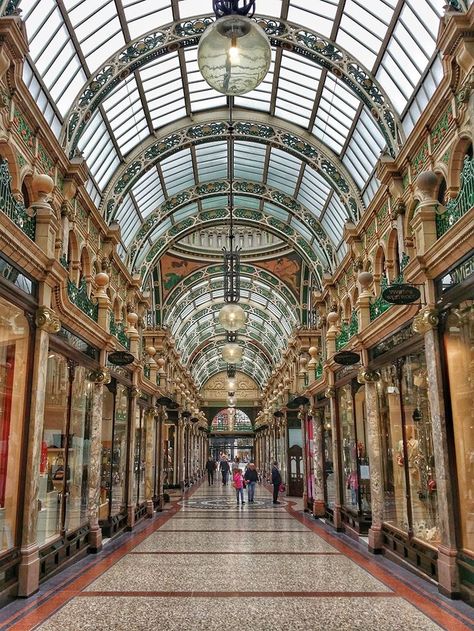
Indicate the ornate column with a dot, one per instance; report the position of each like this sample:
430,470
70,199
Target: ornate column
363,302
103,302
336,450
180,451
374,449
47,224
426,322
149,459
424,221
28,574
99,378
332,333
304,434
319,506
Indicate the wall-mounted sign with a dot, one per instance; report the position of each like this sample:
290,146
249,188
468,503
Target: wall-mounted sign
401,294
121,358
346,358
457,275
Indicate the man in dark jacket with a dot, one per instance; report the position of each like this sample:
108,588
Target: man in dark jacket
276,481
251,479
225,468
210,467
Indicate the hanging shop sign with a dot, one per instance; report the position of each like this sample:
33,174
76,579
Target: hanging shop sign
346,358
164,401
401,294
121,358
296,402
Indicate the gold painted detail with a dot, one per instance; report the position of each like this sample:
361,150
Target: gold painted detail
100,376
426,319
330,393
368,376
47,320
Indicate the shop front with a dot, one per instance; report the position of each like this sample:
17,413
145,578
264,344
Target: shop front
323,450
17,306
354,461
410,504
455,292
116,407
63,477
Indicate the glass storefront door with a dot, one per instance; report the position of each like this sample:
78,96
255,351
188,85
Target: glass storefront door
14,343
65,451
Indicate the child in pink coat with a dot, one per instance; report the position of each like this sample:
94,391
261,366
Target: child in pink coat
238,484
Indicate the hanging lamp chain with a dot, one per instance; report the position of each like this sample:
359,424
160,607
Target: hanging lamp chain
231,7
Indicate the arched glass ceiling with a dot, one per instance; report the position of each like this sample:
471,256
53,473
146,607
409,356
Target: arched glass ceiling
70,39
208,362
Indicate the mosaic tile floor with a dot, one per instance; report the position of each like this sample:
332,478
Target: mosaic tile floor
206,564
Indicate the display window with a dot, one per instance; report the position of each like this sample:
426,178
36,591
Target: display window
459,354
355,461
410,498
139,465
65,449
14,344
113,485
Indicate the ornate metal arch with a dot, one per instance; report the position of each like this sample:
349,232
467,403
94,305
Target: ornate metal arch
183,34
240,187
244,217
212,126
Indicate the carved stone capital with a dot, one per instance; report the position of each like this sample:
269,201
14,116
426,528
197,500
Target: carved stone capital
47,320
426,319
136,392
330,393
100,376
368,376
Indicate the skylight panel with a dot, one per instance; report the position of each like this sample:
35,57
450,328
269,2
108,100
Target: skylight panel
213,202
190,8
333,226
144,15
320,18
211,160
129,225
178,171
200,94
313,191
249,160
163,90
260,98
98,149
283,171
148,193
297,85
335,114
371,188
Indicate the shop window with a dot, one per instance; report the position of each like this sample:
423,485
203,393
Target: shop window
14,339
408,445
139,458
113,495
459,348
355,462
65,450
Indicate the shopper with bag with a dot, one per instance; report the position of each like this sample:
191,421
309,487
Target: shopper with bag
276,481
238,484
251,478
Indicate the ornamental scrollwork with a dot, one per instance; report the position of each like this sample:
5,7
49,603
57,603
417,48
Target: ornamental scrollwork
426,319
100,376
47,320
330,393
368,376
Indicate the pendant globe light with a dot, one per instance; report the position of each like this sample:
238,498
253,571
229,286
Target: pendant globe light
232,353
234,53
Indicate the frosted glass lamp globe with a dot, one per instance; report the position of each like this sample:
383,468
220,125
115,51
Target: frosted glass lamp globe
232,317
234,55
232,353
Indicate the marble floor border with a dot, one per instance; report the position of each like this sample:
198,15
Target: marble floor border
441,612
263,553
281,594
56,597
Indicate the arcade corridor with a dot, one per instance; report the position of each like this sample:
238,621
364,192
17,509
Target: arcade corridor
206,564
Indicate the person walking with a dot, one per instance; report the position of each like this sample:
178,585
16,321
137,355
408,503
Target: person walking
276,481
238,484
225,469
251,479
210,467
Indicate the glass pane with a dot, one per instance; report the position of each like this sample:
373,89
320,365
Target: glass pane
14,335
119,452
53,456
348,442
106,478
79,450
139,459
419,449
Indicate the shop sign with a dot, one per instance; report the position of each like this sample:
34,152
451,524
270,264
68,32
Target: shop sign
401,294
121,358
13,275
458,274
346,358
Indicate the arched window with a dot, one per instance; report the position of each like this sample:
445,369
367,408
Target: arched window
230,419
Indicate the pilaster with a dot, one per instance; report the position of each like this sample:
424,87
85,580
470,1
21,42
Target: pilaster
28,573
319,506
149,460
